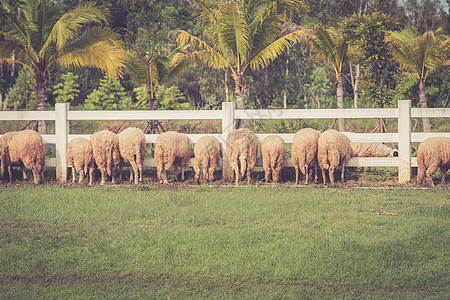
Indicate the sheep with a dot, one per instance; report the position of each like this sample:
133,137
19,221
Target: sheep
80,158
207,152
242,146
4,159
333,150
431,154
304,153
171,149
372,150
132,146
273,152
27,149
105,147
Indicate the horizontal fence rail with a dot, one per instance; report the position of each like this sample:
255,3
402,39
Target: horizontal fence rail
229,115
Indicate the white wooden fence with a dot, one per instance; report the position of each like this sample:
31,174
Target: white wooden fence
62,116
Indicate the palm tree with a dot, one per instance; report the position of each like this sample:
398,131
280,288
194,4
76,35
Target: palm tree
154,69
423,54
42,38
241,34
329,45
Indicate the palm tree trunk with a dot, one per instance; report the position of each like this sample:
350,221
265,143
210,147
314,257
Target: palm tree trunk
227,98
40,97
423,104
340,100
239,92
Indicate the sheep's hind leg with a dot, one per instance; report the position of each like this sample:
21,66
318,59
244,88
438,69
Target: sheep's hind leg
24,172
37,176
80,180
103,171
331,174
444,174
430,171
73,174
134,169
91,175
316,173
342,171
306,174
267,169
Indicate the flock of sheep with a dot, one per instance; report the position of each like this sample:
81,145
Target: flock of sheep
107,151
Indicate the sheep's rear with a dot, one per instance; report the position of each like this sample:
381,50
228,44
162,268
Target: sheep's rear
431,154
242,148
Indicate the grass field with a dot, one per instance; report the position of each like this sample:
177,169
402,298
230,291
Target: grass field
223,242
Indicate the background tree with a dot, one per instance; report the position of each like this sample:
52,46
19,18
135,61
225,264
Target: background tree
240,35
22,95
171,98
422,54
42,38
368,34
110,95
67,89
331,46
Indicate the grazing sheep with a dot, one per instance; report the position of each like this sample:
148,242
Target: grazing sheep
4,158
27,149
273,152
334,150
304,153
372,150
132,147
80,158
207,152
242,146
171,149
105,147
431,154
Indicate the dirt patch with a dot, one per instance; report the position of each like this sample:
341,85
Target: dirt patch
374,177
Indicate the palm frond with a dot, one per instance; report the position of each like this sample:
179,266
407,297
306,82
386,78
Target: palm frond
136,69
104,55
234,36
69,25
92,36
207,54
425,53
15,61
268,18
275,49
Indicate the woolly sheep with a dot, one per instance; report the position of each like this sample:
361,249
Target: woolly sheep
105,147
4,159
431,154
171,149
333,150
304,153
242,147
273,152
80,158
207,152
27,149
372,150
132,148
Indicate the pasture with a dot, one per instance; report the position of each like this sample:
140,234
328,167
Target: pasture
250,242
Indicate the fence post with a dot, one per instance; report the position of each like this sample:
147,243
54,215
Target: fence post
404,141
61,132
227,127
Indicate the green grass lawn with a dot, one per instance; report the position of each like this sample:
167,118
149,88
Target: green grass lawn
213,242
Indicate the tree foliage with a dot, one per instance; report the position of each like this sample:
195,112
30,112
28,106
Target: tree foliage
67,89
110,95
